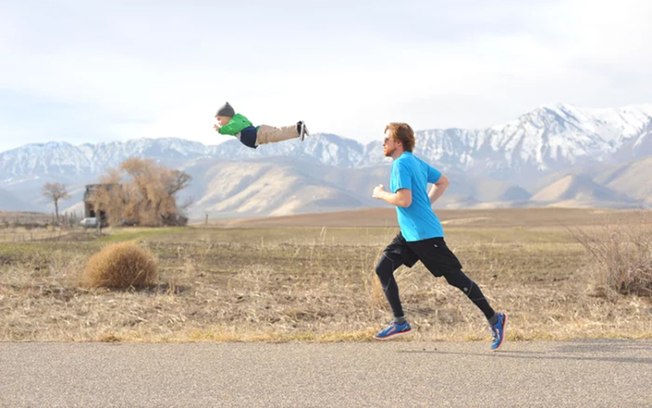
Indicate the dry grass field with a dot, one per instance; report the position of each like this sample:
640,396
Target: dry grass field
311,278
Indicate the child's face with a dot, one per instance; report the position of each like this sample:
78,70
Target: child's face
223,120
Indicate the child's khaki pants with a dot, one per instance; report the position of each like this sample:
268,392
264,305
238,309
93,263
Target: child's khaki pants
271,134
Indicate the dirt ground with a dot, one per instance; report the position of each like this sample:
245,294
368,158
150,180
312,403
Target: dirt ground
477,218
311,277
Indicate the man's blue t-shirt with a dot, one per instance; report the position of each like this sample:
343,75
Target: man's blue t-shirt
418,221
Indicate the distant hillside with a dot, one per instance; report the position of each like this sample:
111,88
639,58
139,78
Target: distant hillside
579,191
633,179
10,201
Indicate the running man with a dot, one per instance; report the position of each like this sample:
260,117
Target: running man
421,236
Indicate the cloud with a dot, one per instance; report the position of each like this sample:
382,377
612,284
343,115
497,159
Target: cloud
126,69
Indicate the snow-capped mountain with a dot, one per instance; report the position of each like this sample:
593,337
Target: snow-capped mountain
60,158
524,155
546,139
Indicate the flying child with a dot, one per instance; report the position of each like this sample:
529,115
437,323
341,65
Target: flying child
235,124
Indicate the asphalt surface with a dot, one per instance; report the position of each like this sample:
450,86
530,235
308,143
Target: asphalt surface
590,373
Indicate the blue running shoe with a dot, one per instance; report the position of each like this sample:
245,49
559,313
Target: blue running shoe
394,329
498,331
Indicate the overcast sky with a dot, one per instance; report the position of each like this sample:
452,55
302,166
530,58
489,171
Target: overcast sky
86,71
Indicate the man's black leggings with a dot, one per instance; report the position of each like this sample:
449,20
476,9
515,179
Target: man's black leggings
438,259
385,268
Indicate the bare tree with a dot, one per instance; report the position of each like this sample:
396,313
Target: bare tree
143,193
55,192
178,181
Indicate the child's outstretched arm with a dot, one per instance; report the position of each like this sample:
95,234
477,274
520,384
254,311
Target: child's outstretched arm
234,126
228,129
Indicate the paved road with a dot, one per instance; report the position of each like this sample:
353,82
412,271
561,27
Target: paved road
595,373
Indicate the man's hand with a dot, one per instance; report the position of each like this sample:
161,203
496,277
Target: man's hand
379,192
438,189
216,127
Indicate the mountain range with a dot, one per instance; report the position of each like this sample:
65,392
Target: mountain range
559,155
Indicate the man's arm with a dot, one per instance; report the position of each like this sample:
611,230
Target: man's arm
438,189
401,198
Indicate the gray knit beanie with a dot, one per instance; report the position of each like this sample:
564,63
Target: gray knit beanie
226,110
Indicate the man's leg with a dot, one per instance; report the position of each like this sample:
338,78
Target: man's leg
471,290
385,268
395,254
497,321
441,261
